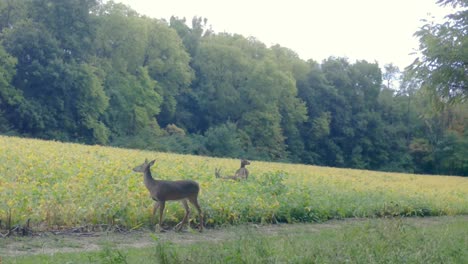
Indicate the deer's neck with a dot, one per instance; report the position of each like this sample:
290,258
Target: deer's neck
242,165
148,179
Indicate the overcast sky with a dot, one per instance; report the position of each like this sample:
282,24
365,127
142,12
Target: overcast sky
372,30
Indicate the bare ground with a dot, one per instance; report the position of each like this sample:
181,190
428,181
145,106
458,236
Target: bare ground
50,243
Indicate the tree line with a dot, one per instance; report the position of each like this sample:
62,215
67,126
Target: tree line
100,73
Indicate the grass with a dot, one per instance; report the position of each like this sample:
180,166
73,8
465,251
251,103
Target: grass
59,185
396,240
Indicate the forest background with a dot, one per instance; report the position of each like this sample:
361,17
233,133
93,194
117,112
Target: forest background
98,72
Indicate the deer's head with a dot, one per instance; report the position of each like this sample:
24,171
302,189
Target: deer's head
145,166
244,162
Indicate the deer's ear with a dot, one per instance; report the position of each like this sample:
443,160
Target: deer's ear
151,163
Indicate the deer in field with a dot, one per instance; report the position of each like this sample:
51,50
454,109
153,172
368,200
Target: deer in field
241,173
163,190
218,175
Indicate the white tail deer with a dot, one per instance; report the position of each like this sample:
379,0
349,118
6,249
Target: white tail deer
218,175
162,191
241,173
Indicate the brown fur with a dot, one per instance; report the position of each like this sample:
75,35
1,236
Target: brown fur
241,173
162,191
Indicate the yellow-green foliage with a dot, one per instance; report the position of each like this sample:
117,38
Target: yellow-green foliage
61,184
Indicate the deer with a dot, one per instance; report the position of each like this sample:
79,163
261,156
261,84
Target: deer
241,173
165,190
218,175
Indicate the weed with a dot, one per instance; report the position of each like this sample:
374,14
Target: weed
110,255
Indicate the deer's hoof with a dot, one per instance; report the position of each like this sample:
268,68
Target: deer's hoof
178,227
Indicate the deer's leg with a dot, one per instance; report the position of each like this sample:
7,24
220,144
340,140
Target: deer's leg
162,204
155,208
179,226
194,201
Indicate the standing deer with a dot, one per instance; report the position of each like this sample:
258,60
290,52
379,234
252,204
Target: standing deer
162,191
241,173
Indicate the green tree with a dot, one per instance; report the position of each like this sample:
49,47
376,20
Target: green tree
134,103
451,154
225,140
319,96
400,120
442,64
356,125
191,36
390,75
10,97
444,134
240,80
87,101
11,11
168,63
292,108
262,118
68,21
120,41
145,66
222,72
63,100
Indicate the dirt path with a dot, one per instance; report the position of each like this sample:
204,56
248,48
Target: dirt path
48,243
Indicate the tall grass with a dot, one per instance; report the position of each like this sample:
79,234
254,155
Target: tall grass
369,241
63,185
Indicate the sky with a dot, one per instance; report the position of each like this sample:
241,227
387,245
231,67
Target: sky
374,30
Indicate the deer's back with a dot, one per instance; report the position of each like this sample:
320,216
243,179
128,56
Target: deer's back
242,172
174,190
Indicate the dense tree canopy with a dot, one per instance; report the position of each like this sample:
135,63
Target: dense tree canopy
98,72
443,64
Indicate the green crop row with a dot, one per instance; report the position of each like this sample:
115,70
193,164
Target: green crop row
64,185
